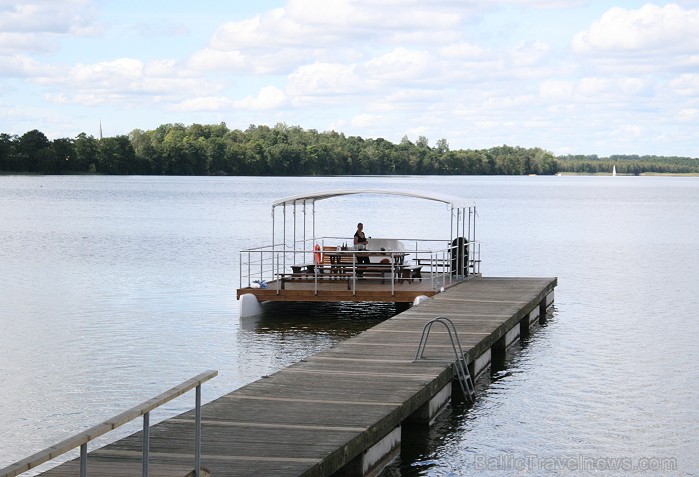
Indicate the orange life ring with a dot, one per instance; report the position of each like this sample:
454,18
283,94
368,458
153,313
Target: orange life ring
317,258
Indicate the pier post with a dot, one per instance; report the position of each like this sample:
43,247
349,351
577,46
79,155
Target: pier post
481,363
373,460
524,324
428,412
544,306
504,342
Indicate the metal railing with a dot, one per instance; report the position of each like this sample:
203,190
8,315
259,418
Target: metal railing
143,409
349,268
268,263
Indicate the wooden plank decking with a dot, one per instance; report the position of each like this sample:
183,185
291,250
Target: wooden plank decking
317,416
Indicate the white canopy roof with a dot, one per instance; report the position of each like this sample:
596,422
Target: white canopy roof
454,202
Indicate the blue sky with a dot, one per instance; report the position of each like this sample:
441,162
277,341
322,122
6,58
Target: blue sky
583,77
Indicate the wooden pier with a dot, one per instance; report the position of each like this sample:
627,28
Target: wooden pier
340,412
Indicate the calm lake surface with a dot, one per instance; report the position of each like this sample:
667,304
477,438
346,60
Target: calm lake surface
114,289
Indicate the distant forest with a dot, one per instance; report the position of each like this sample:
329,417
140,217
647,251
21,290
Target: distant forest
176,149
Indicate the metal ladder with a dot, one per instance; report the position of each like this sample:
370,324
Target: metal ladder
462,371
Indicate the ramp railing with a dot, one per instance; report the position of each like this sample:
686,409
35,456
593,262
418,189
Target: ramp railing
143,409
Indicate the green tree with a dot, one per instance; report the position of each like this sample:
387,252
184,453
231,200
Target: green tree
86,151
115,155
8,156
66,155
35,151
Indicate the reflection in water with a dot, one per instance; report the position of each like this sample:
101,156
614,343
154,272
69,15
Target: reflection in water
339,320
289,332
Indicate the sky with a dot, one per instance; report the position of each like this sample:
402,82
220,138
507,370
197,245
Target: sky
569,76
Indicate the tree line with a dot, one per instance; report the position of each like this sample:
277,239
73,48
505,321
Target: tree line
176,149
631,164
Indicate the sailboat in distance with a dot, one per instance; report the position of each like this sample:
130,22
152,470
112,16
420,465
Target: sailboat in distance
614,170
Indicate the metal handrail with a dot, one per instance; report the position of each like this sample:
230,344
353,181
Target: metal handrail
143,409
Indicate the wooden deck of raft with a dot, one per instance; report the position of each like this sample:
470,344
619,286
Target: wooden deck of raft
373,288
317,416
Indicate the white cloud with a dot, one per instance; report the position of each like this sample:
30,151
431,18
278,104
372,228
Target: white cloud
325,79
688,115
123,81
509,103
463,51
269,97
400,65
557,89
308,31
43,16
610,88
686,85
545,3
211,59
234,61
158,29
21,43
627,132
272,29
204,103
649,30
595,89
530,53
368,121
371,17
21,66
34,25
108,72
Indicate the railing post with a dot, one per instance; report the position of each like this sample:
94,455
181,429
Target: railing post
197,433
146,443
249,268
83,460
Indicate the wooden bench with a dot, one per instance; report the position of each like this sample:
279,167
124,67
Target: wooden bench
303,269
340,264
321,277
375,268
439,263
334,262
410,272
341,270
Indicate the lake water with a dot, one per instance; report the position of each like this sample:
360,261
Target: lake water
114,289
